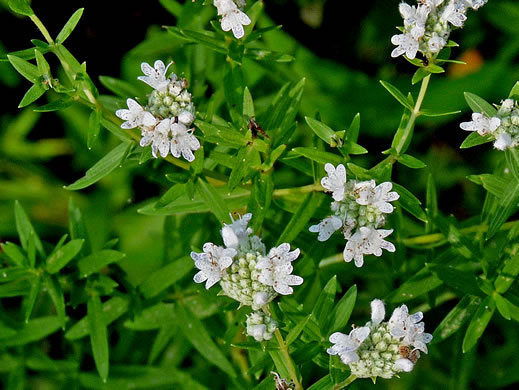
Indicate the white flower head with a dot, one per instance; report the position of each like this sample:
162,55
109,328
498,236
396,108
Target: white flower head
158,138
415,18
367,193
406,43
347,345
135,116
481,123
454,13
155,77
408,328
183,141
212,263
367,241
326,227
237,232
436,43
276,269
503,141
232,18
378,311
335,181
475,4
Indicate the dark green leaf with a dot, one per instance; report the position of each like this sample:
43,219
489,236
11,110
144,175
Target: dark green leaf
94,126
103,167
478,104
478,324
213,200
98,260
474,139
507,206
34,330
409,202
30,300
411,162
463,281
512,161
56,105
98,336
301,217
422,282
69,26
76,226
25,230
324,304
56,294
342,311
297,329
161,279
121,88
507,275
456,318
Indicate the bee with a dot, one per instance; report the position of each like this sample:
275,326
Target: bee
282,384
255,128
406,353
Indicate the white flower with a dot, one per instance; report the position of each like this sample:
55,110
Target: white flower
406,44
475,4
183,141
482,124
186,118
326,227
378,311
335,180
506,106
503,141
155,77
135,116
367,241
415,17
367,194
436,43
347,345
408,328
404,365
454,13
232,18
158,138
237,231
212,263
276,269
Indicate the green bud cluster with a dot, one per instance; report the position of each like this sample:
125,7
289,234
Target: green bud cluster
241,282
174,100
260,326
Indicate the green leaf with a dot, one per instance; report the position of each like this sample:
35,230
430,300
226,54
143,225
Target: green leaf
478,324
420,283
165,277
432,113
342,311
30,300
399,143
21,7
153,317
507,275
492,183
25,68
56,105
411,162
514,93
321,130
456,318
112,309
56,294
248,104
69,26
121,88
399,96
103,167
171,195
43,65
474,139
297,329
198,336
325,383
512,161
32,94
324,304
98,336
460,280
301,217
419,75
116,130
15,253
224,136
36,329
319,156
76,226
60,258
98,260
507,206
25,230
260,199
409,202
478,104
502,306
213,200
94,127
245,159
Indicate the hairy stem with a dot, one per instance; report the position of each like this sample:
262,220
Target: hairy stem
414,114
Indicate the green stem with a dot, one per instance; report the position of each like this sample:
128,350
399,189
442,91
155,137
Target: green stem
284,350
297,190
42,28
345,382
414,114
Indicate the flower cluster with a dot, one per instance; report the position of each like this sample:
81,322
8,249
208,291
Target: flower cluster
165,121
232,18
504,127
260,326
382,348
427,26
244,269
360,209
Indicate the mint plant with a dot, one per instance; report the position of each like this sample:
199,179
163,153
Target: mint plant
224,184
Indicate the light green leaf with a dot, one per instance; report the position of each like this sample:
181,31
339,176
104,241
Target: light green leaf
502,306
492,183
69,26
171,195
198,336
43,65
30,300
411,162
94,126
507,206
98,336
399,96
321,130
56,105
15,253
60,258
478,324
25,230
507,275
165,277
32,94
213,200
409,202
56,294
324,303
478,104
474,139
98,260
512,161
248,104
121,88
342,311
25,68
301,217
103,167
297,329
21,7
319,156
36,329
153,317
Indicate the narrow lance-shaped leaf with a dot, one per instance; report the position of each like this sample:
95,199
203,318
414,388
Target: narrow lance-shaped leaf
33,94
21,7
213,200
324,304
479,323
30,300
456,318
399,96
478,104
248,104
56,294
94,126
62,256
507,206
25,68
97,260
342,311
69,26
98,335
26,230
300,219
321,130
103,167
